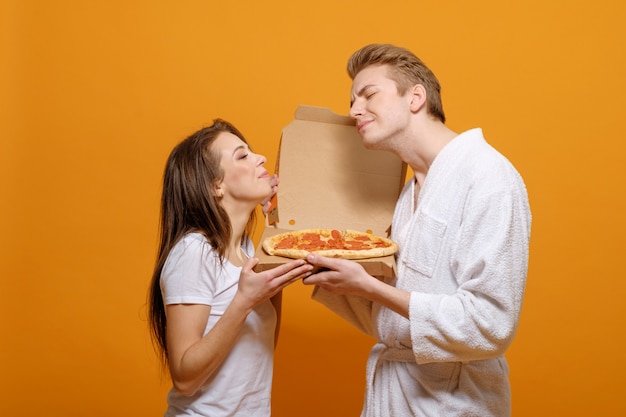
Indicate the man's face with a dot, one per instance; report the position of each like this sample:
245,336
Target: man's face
381,113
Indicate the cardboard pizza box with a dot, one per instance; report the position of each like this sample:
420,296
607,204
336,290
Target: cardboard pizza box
329,180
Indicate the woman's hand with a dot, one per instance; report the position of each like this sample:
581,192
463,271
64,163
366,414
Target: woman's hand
267,203
255,287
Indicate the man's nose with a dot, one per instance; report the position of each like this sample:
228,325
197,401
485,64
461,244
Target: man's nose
355,110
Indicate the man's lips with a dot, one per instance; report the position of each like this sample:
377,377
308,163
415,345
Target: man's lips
361,125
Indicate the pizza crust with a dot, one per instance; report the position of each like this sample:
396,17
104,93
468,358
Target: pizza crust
345,244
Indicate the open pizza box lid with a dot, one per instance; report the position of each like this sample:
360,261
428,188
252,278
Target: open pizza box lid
329,180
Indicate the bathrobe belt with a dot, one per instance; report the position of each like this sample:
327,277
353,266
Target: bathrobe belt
381,352
394,354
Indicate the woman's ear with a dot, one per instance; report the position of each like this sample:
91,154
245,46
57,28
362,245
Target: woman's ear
418,97
218,189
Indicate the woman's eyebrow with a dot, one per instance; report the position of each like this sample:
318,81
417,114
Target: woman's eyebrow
244,147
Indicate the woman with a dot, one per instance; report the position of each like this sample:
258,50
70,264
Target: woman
213,319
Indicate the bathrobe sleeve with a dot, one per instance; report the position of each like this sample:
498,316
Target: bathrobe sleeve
356,310
488,261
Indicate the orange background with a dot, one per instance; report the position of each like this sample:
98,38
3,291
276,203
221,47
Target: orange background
95,94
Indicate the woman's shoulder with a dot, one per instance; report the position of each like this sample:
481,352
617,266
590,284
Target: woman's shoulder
194,238
192,244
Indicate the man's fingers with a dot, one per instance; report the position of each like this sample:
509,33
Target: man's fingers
322,262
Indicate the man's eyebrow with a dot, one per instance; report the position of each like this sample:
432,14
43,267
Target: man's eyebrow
360,92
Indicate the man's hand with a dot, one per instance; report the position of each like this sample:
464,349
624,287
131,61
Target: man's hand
339,276
344,277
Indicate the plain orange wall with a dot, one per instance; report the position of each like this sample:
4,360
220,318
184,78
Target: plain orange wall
95,94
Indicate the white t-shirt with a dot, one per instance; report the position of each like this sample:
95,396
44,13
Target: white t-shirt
241,386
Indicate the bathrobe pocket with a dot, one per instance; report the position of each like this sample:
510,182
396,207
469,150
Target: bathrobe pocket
424,243
437,377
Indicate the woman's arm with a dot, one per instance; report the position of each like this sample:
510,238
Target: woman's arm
193,357
277,301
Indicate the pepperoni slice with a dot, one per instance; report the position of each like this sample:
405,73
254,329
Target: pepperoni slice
286,243
314,237
355,244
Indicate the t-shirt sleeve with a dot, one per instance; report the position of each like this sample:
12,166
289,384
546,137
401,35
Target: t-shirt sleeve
188,276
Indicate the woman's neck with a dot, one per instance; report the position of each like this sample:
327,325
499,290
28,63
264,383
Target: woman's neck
234,252
236,256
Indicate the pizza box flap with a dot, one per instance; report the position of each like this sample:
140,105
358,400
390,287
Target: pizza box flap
329,180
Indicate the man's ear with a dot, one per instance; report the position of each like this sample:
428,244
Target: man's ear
418,97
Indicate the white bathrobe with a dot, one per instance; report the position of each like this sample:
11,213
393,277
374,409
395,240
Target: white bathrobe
463,257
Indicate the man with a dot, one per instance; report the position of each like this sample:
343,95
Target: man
462,224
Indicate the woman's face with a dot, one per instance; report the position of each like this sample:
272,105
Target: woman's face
245,178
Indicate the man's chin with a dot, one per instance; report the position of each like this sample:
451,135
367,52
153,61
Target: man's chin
369,143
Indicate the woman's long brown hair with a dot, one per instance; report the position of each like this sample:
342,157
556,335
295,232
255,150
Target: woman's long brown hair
188,205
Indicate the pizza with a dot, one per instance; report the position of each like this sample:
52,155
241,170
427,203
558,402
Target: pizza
346,244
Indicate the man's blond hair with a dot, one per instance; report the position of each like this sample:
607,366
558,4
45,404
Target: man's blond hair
405,69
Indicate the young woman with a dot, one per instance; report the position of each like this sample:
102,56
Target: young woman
214,320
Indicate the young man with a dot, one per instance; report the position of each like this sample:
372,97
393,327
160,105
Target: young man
462,223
